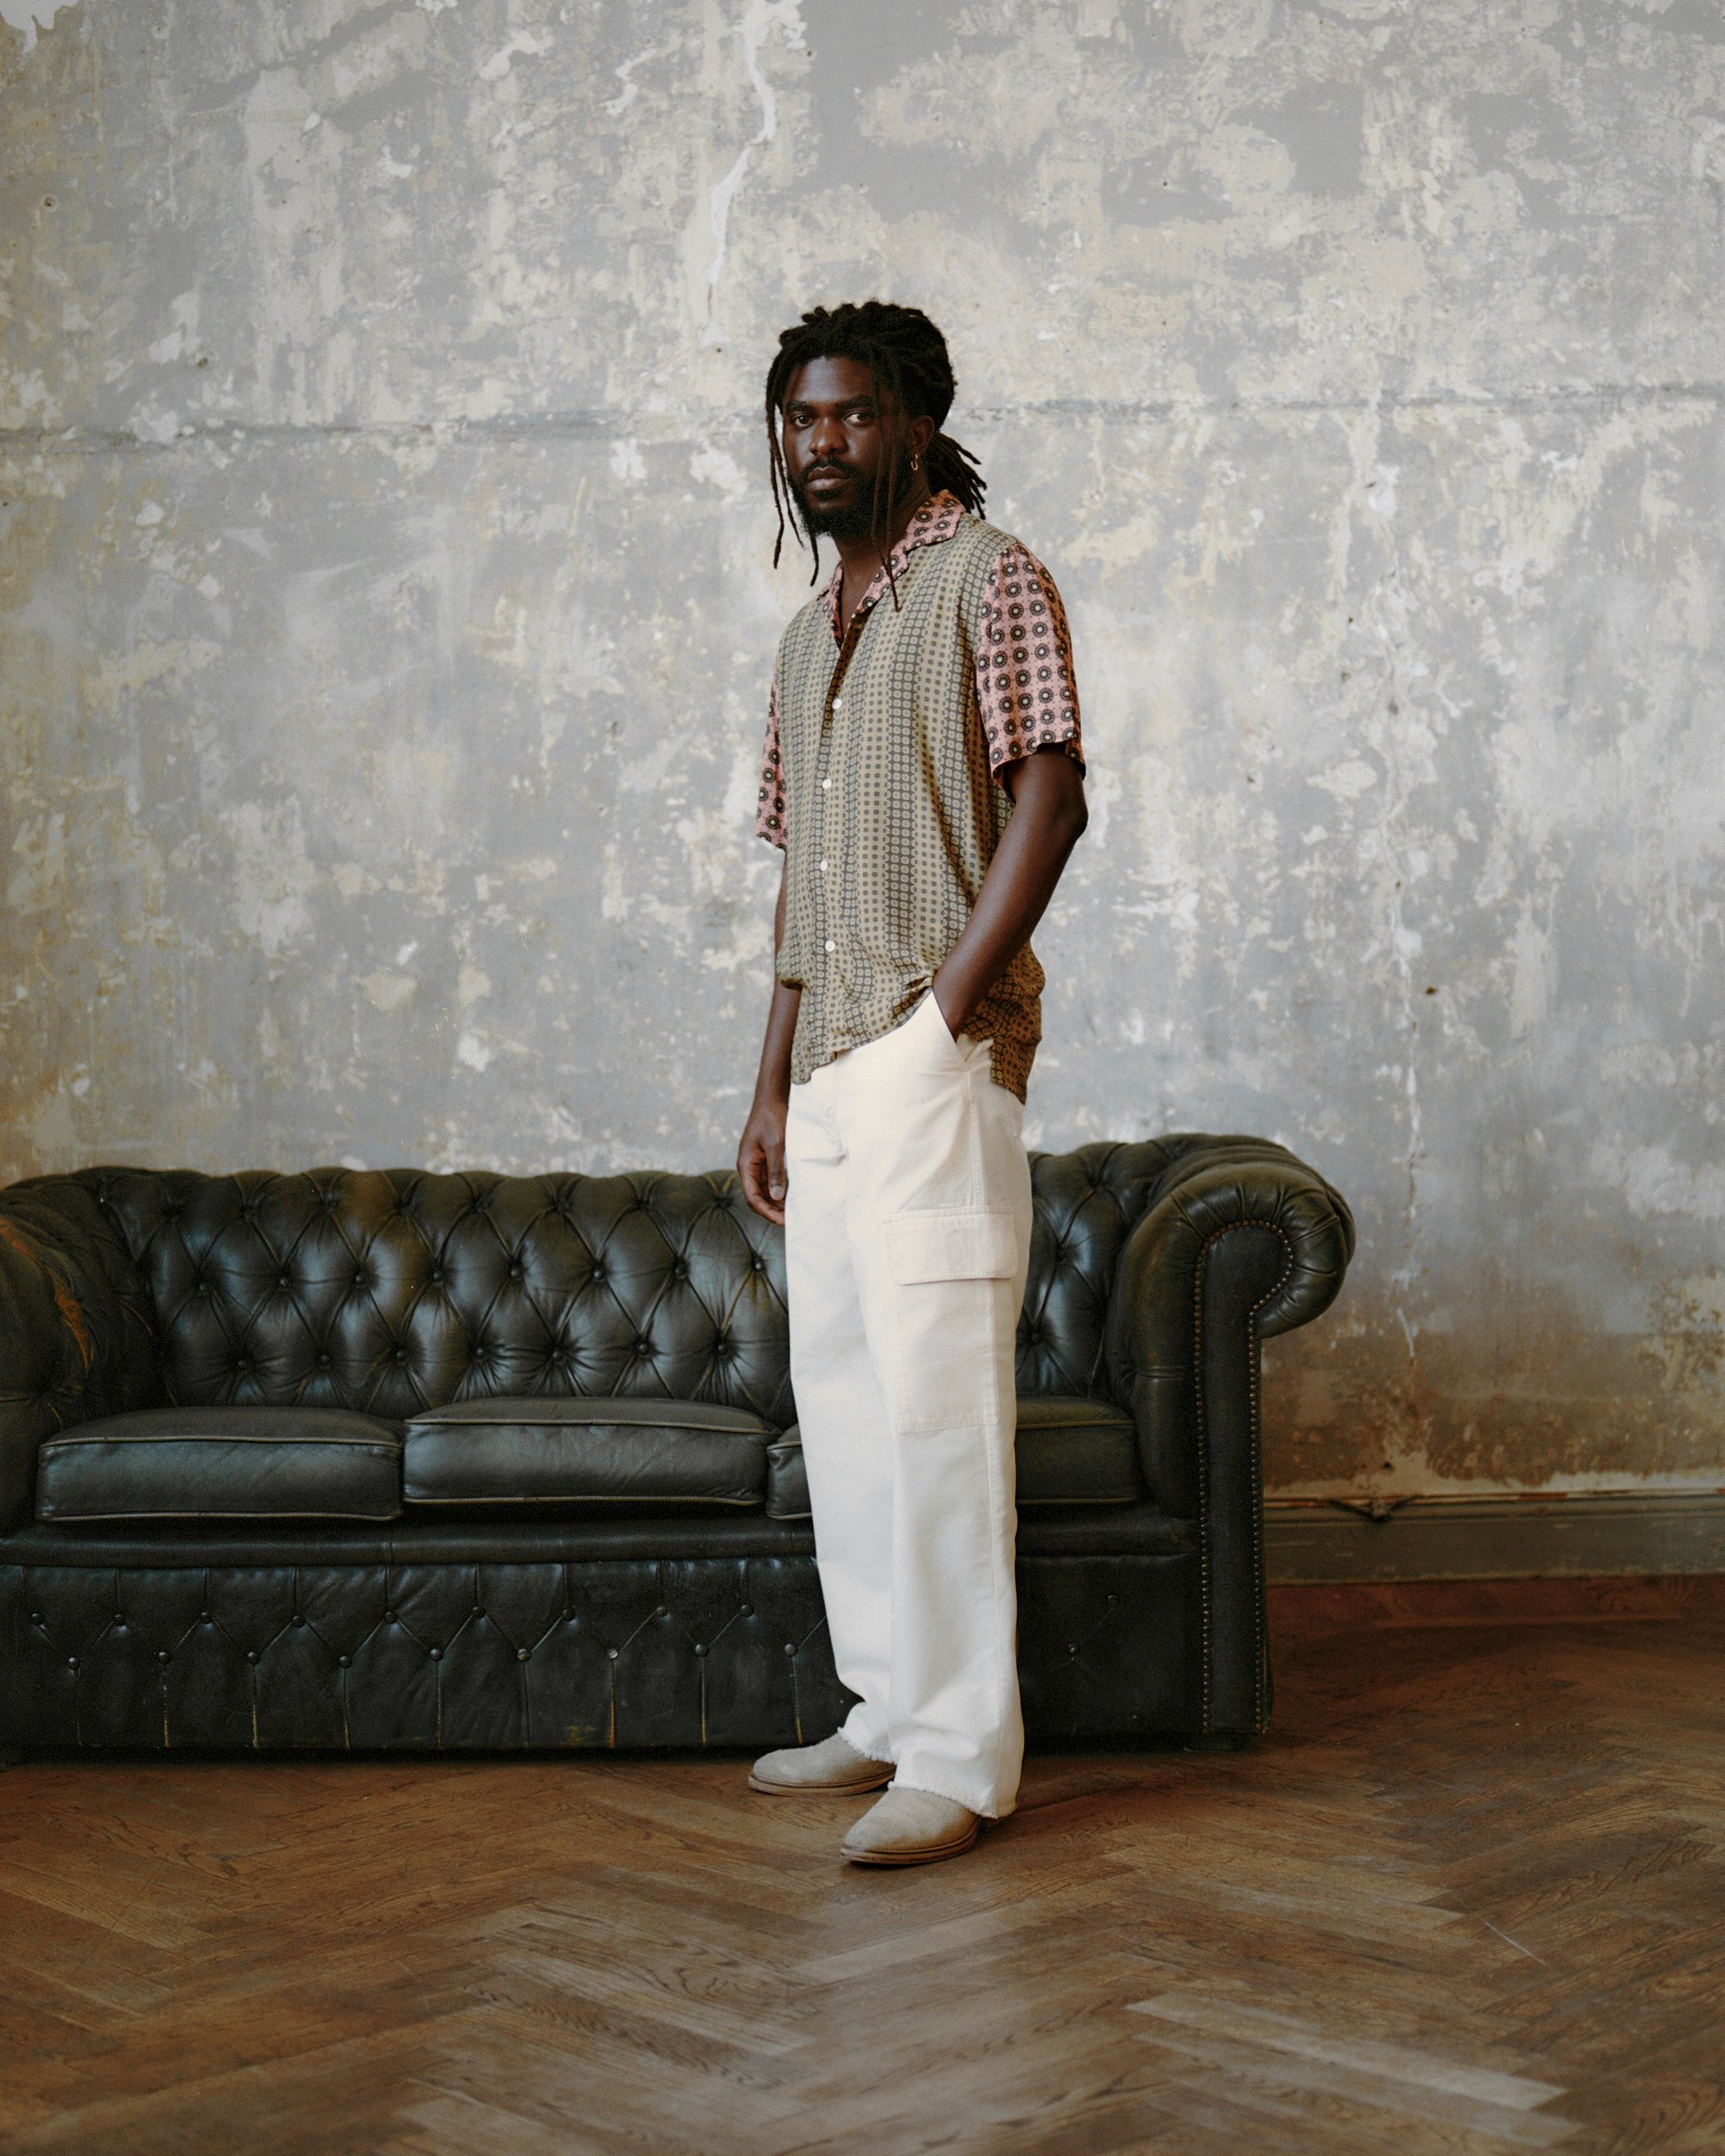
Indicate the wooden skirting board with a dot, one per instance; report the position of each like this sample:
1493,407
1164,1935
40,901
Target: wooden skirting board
1504,1537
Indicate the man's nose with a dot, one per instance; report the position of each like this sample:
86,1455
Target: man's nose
825,439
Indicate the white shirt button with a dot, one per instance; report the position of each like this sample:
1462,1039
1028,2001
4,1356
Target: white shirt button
838,703
830,944
823,868
826,785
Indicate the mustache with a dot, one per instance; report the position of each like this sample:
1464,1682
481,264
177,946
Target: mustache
827,466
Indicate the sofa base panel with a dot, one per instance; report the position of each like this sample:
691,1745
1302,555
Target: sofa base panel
664,1651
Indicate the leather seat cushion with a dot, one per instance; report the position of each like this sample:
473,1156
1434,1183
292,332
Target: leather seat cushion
563,1453
223,1463
1069,1451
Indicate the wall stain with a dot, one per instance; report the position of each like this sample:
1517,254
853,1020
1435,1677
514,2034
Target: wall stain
386,608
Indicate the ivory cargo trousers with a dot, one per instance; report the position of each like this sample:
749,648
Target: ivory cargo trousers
908,1232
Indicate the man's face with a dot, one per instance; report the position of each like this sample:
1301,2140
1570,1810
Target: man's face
837,441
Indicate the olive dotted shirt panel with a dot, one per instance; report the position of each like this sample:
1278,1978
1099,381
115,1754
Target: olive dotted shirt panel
1026,696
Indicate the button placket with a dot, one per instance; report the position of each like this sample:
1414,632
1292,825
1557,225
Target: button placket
833,736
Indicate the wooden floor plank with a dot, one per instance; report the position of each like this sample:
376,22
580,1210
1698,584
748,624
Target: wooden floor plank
1468,1897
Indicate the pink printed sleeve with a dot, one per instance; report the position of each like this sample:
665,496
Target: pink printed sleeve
1025,688
769,816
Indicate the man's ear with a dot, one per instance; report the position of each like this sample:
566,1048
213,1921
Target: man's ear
923,431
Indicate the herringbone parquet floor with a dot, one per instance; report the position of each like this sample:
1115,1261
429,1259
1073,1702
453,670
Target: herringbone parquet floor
1468,1897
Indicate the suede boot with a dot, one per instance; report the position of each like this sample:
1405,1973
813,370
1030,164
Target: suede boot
911,1826
832,1768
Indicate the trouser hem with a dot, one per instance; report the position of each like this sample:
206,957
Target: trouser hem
871,1750
917,1778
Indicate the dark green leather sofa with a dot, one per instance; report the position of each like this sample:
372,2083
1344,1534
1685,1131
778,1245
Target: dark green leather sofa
412,1461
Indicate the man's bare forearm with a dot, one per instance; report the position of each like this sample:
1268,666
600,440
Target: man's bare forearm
1049,817
773,1081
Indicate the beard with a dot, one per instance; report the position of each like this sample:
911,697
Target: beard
852,519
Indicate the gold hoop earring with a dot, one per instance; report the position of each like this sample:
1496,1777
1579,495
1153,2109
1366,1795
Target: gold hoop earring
915,462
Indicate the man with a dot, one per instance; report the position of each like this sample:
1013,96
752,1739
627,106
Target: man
922,773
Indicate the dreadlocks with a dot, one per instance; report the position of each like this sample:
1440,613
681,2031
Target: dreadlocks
907,357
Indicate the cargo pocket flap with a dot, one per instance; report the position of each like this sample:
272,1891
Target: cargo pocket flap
951,1246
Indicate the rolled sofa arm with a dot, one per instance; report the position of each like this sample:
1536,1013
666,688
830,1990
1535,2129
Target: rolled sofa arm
1241,1240
76,1337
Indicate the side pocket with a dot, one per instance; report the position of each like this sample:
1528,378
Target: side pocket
949,1276
956,1243
949,1051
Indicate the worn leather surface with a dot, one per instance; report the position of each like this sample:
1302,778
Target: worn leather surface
438,1538
787,1480
228,1463
1155,1269
451,1656
538,1454
393,1291
1156,1318
78,1328
1068,1451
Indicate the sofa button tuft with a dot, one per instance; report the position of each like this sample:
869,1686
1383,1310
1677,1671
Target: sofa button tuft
71,1661
345,1660
611,1654
161,1653
699,1648
250,1654
435,1654
790,1647
521,1654
746,1609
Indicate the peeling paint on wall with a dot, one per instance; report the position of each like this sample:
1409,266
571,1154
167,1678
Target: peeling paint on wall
32,15
387,609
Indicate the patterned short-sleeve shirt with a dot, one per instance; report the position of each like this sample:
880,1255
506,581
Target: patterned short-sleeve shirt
1026,696
880,778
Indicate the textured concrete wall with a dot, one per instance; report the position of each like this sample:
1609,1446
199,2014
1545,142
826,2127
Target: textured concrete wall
387,609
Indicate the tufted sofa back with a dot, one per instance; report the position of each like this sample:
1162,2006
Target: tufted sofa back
394,1290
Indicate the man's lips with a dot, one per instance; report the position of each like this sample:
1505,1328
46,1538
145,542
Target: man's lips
827,475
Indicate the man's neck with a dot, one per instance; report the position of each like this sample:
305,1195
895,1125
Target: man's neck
863,556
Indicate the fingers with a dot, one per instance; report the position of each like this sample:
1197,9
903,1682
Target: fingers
774,1151
760,1169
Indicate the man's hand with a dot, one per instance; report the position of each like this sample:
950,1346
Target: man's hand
760,1159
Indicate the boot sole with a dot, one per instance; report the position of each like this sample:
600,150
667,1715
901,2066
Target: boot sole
931,1853
820,1788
